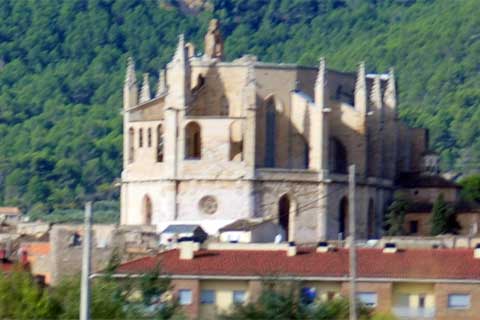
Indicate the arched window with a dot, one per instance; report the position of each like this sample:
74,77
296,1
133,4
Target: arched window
270,133
236,141
338,157
284,204
193,141
343,218
140,138
371,220
131,148
147,210
149,137
224,107
159,143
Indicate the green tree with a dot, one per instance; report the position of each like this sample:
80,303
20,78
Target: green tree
443,218
22,298
279,301
395,217
470,188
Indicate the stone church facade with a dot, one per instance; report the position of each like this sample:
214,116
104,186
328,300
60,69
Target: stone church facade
245,139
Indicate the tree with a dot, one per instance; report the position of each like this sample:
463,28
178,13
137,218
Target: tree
280,301
443,218
470,188
22,298
395,218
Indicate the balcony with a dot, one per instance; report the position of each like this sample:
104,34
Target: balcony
406,313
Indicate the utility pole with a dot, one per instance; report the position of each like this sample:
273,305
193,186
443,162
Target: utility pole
86,266
352,251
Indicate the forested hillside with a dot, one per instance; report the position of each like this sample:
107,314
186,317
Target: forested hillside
62,67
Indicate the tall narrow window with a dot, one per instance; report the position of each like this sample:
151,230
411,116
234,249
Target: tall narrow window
236,141
140,138
338,157
371,232
343,218
270,128
159,143
193,141
284,215
131,148
149,137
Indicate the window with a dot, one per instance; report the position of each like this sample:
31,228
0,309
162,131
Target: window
149,137
184,296
193,141
413,226
140,138
239,297
308,295
338,158
270,133
421,301
75,240
159,143
458,301
369,299
131,148
330,295
207,297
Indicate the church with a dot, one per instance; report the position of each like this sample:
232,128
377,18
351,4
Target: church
220,141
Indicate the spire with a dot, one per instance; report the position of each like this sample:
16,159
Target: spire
376,93
391,91
180,52
130,78
321,73
361,89
162,83
251,79
145,92
321,85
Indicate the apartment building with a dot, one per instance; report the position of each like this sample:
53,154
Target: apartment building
411,284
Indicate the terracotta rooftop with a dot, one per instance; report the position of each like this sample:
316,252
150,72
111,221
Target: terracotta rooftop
10,210
372,263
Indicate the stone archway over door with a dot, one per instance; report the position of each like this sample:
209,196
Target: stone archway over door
287,208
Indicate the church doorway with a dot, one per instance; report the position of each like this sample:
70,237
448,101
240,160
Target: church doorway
284,215
147,210
343,218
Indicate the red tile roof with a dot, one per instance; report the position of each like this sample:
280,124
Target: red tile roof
372,263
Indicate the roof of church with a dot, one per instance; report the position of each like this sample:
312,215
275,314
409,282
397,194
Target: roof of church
181,228
418,180
453,264
242,225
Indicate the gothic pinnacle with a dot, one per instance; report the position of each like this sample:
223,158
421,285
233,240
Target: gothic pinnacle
145,92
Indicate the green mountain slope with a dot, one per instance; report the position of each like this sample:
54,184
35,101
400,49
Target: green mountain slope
62,66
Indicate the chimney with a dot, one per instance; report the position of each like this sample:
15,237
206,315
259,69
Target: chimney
323,247
390,247
476,251
187,249
292,249
24,258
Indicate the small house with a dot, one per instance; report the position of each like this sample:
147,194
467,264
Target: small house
175,232
252,231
